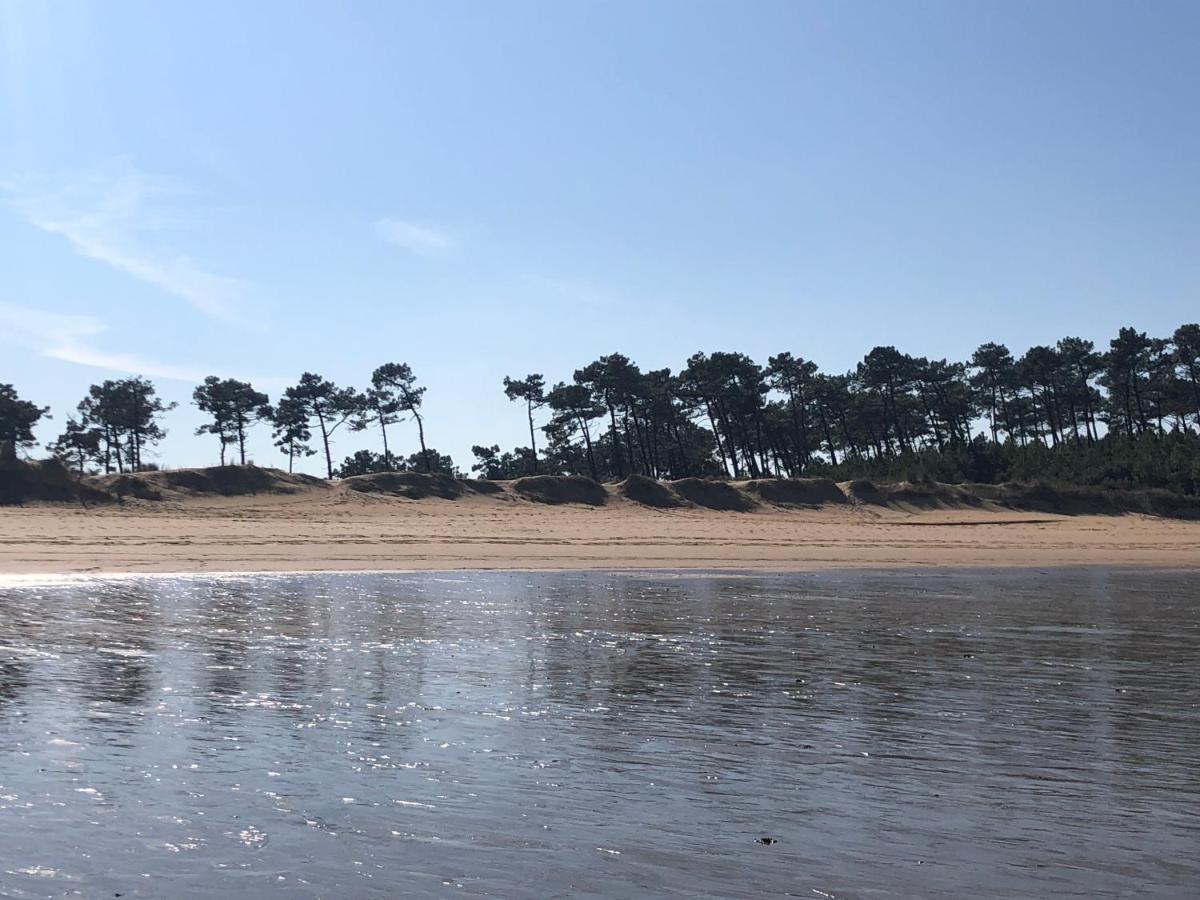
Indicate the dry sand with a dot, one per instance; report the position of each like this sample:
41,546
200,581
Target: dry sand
342,530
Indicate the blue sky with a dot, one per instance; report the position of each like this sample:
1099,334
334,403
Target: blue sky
257,189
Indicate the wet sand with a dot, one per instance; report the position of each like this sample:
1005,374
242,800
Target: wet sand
337,532
956,734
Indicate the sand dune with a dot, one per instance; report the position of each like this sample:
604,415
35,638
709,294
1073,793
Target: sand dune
301,524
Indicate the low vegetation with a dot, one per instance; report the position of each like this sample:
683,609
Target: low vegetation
50,481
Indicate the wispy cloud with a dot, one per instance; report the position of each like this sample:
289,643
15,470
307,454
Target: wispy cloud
70,338
574,291
421,239
121,216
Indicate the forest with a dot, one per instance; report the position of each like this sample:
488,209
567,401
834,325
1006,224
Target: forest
1127,415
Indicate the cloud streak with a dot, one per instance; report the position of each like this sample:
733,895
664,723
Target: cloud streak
116,217
424,240
70,338
574,291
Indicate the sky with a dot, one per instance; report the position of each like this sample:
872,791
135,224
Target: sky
255,190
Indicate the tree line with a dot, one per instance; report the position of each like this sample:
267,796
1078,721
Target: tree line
726,415
1132,409
120,417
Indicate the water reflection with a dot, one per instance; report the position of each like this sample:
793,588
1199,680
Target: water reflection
517,734
14,678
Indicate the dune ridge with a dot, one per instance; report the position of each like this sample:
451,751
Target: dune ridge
40,482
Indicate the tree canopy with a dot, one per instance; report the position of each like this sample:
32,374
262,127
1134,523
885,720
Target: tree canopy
394,388
234,406
531,391
17,420
289,420
1124,414
118,420
317,398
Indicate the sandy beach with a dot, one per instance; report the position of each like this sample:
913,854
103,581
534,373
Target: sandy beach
326,530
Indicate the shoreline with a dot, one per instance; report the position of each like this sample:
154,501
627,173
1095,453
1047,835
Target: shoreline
53,579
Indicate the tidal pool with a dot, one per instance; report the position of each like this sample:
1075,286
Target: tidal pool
628,735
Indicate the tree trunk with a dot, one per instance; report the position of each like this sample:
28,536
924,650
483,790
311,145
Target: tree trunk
800,448
828,434
1008,418
805,449
684,464
1089,420
716,435
421,438
532,442
643,443
1143,420
619,469
629,442
325,442
994,441
587,440
387,454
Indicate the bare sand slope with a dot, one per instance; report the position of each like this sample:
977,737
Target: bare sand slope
323,529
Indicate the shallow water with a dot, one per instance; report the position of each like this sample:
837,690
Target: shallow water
532,735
